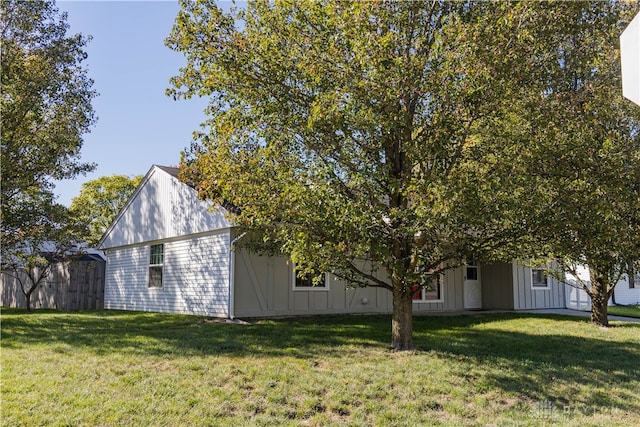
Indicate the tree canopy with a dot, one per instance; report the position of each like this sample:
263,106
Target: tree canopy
46,108
396,132
587,151
99,202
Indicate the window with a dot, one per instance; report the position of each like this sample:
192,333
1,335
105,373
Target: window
472,270
429,293
309,282
156,259
539,280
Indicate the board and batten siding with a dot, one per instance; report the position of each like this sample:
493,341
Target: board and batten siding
526,298
452,294
195,277
264,287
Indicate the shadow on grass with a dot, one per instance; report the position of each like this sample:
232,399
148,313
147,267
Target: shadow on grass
528,361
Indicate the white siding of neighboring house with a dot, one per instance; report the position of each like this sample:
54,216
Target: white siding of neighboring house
579,300
527,298
625,295
195,277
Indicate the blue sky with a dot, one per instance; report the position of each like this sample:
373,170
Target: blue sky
137,124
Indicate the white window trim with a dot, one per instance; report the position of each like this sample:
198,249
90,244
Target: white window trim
539,288
324,288
156,288
428,301
473,264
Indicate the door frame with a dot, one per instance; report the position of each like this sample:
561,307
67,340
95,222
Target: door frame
469,300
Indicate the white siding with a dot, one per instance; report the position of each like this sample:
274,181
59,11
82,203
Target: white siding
625,295
162,208
195,277
578,298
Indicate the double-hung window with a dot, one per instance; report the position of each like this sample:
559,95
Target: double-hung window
156,260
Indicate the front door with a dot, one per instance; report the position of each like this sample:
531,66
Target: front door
472,290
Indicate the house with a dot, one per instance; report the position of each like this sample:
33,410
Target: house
626,292
168,252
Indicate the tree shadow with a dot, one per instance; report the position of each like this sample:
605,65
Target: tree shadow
531,364
528,364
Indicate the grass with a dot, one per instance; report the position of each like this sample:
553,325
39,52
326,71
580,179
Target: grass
624,310
121,368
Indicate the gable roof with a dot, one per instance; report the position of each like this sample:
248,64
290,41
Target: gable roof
162,207
171,170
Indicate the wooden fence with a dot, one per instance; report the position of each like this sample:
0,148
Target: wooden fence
71,285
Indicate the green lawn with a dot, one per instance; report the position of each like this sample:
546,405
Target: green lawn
115,368
624,310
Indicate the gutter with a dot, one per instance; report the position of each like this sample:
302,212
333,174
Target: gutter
232,276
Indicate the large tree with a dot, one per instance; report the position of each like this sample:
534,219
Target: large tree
345,131
587,150
99,202
45,109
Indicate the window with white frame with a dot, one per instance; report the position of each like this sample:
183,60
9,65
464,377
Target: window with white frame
431,292
539,279
309,282
156,260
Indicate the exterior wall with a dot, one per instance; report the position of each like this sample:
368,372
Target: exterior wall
578,299
452,294
195,277
497,286
162,208
526,298
75,285
625,295
263,287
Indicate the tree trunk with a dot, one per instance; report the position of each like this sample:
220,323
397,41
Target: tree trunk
599,298
27,298
402,319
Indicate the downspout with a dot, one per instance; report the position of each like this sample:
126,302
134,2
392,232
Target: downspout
232,276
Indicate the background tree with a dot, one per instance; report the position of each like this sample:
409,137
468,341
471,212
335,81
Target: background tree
53,239
346,131
45,107
587,151
99,202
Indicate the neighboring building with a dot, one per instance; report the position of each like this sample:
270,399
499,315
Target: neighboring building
167,252
630,60
73,284
627,291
